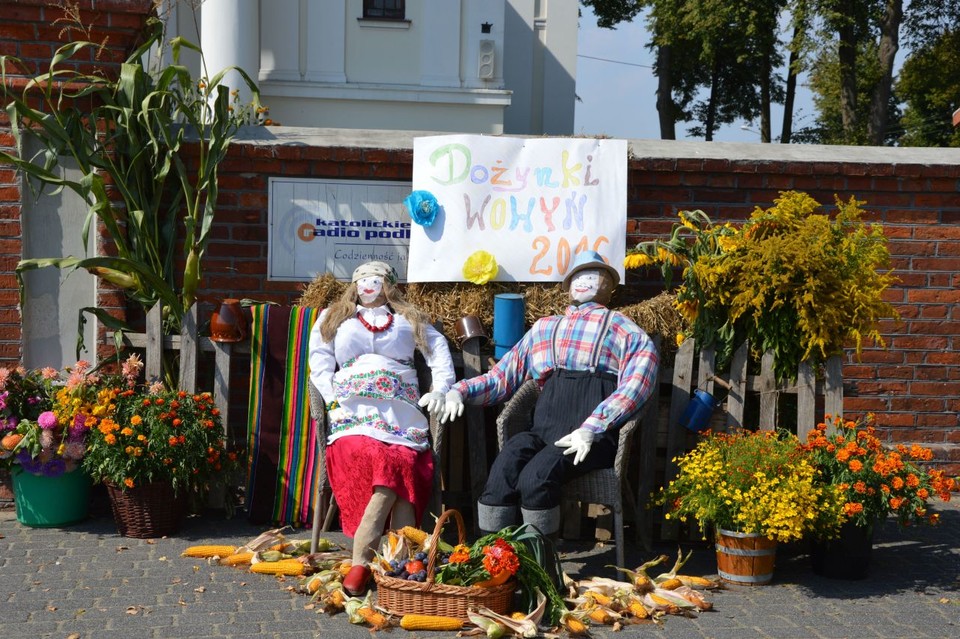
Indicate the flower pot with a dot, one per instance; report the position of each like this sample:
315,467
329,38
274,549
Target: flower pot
228,323
745,558
845,557
44,502
144,512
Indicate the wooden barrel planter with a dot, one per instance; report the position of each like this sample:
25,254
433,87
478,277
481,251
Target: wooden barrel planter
745,558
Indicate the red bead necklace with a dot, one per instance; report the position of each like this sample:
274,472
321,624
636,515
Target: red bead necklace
376,329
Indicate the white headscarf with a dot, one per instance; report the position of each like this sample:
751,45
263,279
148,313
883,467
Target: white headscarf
372,269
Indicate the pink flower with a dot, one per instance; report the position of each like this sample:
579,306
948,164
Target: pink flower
47,420
49,373
76,379
74,450
131,368
4,376
82,365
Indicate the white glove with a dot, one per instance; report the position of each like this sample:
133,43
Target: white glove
453,407
433,402
577,443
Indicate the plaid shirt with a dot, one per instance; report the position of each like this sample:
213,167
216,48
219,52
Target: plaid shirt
627,352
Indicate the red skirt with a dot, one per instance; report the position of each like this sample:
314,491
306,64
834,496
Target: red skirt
357,463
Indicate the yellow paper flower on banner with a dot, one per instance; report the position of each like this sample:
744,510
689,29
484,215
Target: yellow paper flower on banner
480,268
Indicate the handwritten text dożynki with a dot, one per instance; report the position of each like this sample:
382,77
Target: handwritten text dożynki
453,164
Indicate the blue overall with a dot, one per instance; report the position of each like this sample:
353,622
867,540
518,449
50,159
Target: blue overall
530,470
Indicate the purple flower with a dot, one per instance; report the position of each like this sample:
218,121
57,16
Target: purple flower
33,401
79,427
47,420
54,468
3,399
29,464
8,423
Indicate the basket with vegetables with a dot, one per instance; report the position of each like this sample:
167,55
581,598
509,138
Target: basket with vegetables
420,574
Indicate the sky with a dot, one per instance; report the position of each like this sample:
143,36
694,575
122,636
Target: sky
619,100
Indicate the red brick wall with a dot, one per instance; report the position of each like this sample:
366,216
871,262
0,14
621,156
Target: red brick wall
32,30
913,386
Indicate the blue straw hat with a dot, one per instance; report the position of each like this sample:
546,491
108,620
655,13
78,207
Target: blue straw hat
590,260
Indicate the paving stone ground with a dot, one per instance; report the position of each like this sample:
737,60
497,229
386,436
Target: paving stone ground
85,581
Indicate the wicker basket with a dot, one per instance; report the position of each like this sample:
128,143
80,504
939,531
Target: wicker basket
402,597
144,512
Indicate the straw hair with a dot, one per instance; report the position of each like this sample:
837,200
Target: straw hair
346,307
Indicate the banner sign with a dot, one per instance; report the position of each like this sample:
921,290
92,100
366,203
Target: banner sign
531,203
320,226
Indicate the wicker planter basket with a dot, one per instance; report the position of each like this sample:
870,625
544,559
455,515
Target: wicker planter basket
144,512
402,597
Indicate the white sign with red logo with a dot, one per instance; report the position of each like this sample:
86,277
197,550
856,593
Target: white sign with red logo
333,226
531,203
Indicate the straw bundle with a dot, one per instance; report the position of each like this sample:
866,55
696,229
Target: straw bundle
448,302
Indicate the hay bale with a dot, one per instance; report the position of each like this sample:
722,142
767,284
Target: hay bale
448,302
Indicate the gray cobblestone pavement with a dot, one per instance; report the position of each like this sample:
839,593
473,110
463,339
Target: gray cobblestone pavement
85,581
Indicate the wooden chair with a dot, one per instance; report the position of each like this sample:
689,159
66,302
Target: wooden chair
604,486
323,501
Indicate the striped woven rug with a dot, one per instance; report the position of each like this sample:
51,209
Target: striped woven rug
281,436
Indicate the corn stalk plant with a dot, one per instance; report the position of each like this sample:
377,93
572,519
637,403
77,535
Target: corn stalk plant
129,135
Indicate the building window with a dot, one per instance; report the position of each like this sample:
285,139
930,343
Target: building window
384,9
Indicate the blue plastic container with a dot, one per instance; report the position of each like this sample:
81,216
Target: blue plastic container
699,411
508,310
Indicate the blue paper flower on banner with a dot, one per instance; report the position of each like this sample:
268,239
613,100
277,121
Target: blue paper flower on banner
423,207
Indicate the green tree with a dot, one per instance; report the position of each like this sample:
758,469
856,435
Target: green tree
929,84
728,49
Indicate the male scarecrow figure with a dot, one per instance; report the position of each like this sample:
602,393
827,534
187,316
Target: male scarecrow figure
595,368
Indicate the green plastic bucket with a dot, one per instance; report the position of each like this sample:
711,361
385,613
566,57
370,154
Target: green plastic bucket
44,502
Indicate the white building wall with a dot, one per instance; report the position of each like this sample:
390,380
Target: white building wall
541,45
318,63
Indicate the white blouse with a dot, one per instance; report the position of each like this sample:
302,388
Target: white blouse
356,353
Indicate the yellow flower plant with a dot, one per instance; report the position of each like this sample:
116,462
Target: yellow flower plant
790,279
753,482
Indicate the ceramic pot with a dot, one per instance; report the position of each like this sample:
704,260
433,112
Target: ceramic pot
467,328
228,323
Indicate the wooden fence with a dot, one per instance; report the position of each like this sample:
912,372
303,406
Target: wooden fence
189,344
814,399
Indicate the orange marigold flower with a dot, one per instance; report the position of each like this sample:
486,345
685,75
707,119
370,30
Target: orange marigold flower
884,489
859,487
912,480
897,483
127,431
843,455
896,502
136,420
934,519
856,465
172,441
460,554
128,482
177,421
110,438
852,508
